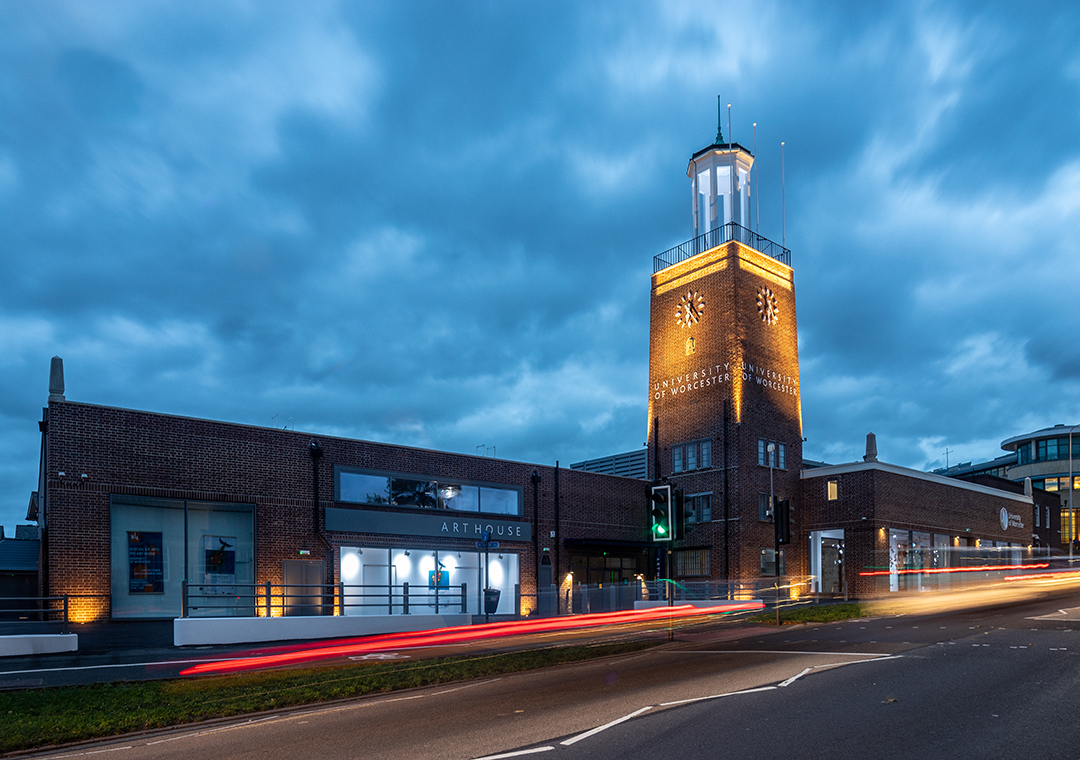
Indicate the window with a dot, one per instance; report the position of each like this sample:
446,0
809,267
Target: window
696,455
832,490
764,511
688,562
1050,449
698,508
1048,517
1023,454
779,454
1056,484
768,562
422,493
1037,513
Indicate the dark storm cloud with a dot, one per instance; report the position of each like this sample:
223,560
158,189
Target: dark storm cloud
433,223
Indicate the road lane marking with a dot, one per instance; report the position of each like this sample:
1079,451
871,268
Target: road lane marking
793,679
118,665
466,686
716,696
520,752
773,651
598,729
92,752
195,734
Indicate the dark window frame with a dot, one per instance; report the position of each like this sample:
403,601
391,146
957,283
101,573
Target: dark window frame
681,456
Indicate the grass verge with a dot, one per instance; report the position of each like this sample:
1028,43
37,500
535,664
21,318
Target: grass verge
819,613
44,717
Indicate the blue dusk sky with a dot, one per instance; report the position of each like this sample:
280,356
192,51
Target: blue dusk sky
433,223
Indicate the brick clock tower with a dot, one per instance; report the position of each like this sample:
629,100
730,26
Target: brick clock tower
724,380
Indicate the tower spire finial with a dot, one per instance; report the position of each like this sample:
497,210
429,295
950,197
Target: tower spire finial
719,121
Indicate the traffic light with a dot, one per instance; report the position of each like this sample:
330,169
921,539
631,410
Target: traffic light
782,521
661,512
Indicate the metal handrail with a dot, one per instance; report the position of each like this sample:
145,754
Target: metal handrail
723,234
261,599
40,609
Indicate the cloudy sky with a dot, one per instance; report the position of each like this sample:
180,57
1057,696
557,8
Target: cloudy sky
433,223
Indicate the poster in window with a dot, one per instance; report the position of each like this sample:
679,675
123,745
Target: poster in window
146,570
220,573
438,578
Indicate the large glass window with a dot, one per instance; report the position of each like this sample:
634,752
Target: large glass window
423,493
405,492
462,498
155,546
1049,449
364,489
375,579
501,501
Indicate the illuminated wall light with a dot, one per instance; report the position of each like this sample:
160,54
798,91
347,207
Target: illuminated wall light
350,566
496,573
427,564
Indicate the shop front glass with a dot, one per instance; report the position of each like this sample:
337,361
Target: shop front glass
827,561
158,543
375,580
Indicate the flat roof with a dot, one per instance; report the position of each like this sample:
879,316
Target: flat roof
906,472
1009,444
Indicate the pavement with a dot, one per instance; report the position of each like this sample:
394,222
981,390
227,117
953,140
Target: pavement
128,650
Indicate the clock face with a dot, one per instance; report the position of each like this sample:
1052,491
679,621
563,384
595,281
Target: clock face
690,309
766,305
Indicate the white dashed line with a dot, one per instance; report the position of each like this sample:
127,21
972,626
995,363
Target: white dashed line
793,679
717,696
606,726
520,752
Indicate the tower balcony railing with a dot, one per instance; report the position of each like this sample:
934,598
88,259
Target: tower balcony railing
719,236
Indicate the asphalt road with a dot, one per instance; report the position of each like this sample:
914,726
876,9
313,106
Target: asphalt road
997,682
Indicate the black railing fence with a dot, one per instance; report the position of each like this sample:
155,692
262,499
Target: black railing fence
719,236
275,600
53,611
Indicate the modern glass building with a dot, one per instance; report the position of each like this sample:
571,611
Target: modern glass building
1051,458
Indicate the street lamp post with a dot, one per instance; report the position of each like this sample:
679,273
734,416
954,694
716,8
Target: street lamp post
770,453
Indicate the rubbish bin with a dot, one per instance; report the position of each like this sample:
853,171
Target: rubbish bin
491,600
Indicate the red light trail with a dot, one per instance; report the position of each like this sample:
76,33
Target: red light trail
297,654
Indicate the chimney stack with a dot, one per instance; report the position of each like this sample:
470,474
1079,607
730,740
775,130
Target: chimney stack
871,448
56,379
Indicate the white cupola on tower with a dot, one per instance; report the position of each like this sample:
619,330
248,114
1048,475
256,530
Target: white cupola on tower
720,180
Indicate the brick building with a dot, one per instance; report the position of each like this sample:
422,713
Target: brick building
726,425
872,527
134,502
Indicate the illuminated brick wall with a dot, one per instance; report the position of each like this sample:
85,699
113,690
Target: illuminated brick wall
723,346
139,453
873,498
